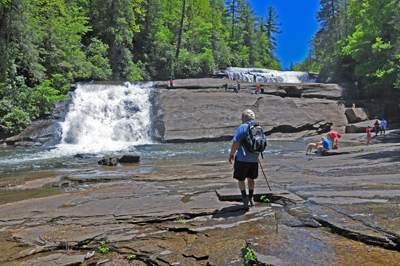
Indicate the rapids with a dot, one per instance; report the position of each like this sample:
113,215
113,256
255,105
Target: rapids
267,75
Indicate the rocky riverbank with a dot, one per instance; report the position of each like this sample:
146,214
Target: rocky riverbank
341,209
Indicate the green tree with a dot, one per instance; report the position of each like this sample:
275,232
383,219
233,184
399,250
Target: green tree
373,35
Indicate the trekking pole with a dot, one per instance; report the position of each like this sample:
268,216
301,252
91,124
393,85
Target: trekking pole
264,173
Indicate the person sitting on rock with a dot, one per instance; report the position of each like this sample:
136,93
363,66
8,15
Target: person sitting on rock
323,145
258,88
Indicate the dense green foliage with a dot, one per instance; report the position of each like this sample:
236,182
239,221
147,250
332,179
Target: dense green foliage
358,40
46,44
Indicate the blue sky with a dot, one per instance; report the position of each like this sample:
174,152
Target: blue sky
299,25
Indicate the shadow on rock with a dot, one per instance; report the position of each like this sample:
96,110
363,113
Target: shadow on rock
394,156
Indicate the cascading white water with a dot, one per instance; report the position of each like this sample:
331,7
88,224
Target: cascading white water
267,75
107,118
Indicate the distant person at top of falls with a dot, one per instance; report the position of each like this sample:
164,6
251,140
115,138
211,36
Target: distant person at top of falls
255,78
171,82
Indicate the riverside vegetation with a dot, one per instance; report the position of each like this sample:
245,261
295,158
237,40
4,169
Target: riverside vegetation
45,45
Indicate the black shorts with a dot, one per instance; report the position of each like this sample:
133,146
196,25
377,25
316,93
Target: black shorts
245,169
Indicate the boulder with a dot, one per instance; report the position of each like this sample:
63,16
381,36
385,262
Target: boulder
27,144
360,127
110,161
355,115
130,159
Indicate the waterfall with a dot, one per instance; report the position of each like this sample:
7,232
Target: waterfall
267,75
107,118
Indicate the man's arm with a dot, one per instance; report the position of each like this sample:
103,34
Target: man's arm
235,146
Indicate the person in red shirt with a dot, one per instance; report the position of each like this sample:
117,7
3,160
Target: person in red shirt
368,134
333,136
171,82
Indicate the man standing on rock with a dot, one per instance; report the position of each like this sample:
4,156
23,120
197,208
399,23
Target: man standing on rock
246,163
383,126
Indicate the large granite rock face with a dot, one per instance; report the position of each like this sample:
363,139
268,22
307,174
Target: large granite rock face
181,115
201,110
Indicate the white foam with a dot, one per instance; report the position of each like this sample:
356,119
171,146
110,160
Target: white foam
106,118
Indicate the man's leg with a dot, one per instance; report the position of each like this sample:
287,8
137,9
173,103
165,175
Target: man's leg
242,188
251,184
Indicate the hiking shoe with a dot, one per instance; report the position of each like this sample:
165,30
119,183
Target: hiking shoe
246,204
251,202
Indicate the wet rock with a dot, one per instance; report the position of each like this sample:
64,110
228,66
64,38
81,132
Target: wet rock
37,183
110,161
129,159
271,260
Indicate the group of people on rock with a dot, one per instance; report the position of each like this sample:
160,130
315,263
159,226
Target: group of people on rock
246,162
237,88
327,142
377,127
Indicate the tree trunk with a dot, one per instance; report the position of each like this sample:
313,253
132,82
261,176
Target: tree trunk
233,20
3,22
178,47
4,39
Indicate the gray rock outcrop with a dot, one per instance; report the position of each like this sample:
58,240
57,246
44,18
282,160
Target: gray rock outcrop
360,127
355,115
201,110
181,115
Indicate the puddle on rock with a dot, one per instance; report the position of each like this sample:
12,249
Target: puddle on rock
18,195
187,198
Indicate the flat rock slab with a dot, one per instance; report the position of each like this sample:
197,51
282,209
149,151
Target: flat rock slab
56,260
37,183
